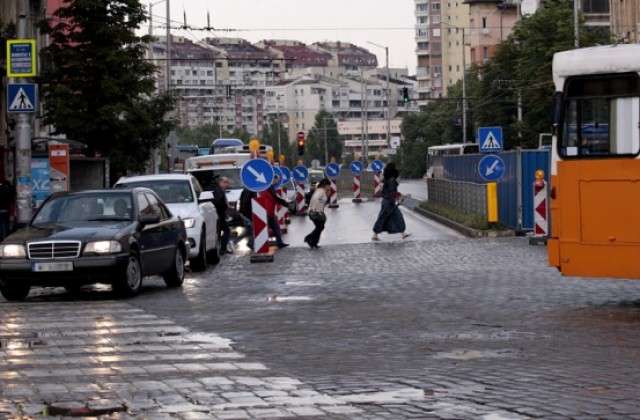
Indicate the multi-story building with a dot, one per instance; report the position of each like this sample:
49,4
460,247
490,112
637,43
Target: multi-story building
625,20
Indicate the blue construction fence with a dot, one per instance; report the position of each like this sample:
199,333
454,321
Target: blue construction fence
515,187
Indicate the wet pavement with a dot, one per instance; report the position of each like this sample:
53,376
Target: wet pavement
440,326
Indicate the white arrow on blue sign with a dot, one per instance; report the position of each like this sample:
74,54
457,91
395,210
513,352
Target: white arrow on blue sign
256,175
277,171
300,173
491,167
377,165
356,167
286,174
332,170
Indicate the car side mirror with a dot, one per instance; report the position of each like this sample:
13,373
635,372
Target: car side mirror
206,196
148,219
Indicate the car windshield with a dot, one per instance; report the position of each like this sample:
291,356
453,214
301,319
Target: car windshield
170,191
84,207
315,177
208,178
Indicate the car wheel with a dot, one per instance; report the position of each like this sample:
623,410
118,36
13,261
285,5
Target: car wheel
175,276
73,288
199,263
214,254
131,279
15,291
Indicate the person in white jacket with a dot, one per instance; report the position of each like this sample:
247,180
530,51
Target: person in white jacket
316,212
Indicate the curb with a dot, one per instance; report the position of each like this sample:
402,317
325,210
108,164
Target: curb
465,230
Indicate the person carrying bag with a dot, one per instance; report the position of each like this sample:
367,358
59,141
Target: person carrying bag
316,212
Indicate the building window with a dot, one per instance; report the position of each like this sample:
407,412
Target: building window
484,22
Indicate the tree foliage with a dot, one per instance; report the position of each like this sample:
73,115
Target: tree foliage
517,75
97,86
324,127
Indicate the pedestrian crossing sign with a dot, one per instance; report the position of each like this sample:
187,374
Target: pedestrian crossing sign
21,97
490,139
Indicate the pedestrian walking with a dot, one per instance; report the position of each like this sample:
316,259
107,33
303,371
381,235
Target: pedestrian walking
246,211
390,218
6,205
316,212
222,205
270,202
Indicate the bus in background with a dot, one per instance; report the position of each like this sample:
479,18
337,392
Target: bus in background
222,145
435,155
595,170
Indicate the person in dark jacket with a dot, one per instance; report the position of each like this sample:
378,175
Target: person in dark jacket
246,210
6,204
221,204
271,201
390,218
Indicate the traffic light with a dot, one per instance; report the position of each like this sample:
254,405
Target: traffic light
300,147
405,95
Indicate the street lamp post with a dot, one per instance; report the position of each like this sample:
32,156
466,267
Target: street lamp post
386,54
279,128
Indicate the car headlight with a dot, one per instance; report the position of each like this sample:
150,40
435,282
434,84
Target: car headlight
103,247
12,251
189,223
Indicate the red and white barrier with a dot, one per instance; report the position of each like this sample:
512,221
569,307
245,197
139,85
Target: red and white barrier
301,205
377,184
540,210
281,212
333,198
356,189
260,229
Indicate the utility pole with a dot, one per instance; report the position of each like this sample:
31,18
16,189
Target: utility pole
386,55
23,139
326,152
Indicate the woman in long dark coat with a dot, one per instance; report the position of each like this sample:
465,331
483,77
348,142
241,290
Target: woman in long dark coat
390,218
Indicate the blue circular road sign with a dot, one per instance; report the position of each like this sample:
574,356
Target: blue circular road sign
491,167
278,171
332,170
300,173
356,167
286,174
256,175
377,165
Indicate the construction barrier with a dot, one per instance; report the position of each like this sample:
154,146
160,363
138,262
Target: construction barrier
301,205
260,230
377,184
540,210
281,211
356,189
333,198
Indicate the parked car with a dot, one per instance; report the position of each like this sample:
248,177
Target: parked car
185,197
114,236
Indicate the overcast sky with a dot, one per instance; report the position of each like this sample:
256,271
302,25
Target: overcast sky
383,22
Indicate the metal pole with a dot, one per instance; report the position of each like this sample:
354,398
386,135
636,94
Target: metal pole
326,152
23,141
278,111
386,51
168,69
576,22
464,90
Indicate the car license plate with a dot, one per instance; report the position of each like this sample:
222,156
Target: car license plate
52,266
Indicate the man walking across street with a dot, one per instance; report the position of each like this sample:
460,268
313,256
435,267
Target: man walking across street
271,200
221,204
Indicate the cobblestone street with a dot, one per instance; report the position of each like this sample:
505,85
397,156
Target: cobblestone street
445,328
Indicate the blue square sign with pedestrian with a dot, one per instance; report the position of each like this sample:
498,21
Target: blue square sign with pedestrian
490,139
21,97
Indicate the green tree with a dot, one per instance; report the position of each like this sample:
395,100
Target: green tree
201,136
324,125
280,144
520,73
97,86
